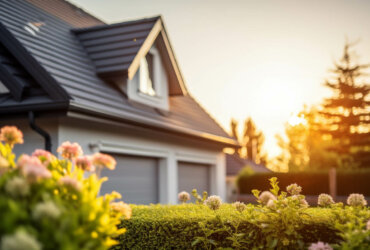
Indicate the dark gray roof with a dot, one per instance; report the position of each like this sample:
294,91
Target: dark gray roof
61,54
68,12
234,164
112,48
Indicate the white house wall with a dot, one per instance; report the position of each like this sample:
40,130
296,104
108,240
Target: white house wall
169,150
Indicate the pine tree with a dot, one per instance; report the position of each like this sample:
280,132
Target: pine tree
252,141
347,113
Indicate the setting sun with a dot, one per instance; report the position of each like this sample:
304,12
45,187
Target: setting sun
297,120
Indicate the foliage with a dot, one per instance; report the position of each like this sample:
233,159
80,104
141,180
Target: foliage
313,182
251,141
48,203
351,222
346,117
180,226
335,133
285,222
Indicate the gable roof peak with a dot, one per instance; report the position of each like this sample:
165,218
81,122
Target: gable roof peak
116,49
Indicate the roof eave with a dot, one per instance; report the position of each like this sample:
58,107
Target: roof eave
140,121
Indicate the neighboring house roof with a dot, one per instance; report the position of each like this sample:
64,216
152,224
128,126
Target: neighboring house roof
64,68
234,164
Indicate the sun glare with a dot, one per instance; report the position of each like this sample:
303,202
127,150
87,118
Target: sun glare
297,120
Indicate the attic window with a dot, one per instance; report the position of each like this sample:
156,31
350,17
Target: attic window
3,89
147,84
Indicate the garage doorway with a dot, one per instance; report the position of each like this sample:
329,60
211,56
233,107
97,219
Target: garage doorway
193,175
135,178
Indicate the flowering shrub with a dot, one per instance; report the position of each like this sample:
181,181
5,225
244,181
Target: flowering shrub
48,203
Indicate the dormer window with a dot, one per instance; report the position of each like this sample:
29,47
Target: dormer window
149,85
147,80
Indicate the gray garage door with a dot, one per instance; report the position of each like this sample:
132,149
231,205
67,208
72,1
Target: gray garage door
136,178
193,175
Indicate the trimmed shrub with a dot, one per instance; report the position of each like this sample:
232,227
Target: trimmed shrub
313,183
353,182
189,226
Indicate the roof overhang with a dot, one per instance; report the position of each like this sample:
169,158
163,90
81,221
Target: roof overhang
77,110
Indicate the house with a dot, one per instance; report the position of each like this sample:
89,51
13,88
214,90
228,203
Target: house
113,88
234,164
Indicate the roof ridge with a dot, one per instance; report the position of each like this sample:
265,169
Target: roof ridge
84,11
113,25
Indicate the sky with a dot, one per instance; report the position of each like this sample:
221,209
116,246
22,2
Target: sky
264,59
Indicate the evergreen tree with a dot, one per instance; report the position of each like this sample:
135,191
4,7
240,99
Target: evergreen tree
347,113
252,141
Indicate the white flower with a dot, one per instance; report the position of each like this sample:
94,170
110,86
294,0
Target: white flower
239,206
47,209
294,189
265,196
271,204
183,196
325,200
213,202
17,187
320,246
20,241
356,200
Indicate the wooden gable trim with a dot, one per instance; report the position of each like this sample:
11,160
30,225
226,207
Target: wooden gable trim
158,31
174,62
32,66
149,41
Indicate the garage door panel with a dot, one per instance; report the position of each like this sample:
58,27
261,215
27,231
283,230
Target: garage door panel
193,175
136,178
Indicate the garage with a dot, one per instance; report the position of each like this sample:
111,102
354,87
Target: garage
193,175
136,178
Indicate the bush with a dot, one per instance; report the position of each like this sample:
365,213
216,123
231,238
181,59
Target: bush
179,226
313,183
47,203
282,220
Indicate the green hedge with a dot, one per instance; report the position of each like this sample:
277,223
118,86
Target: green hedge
176,227
313,183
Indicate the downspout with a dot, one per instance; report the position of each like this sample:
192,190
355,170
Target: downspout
43,133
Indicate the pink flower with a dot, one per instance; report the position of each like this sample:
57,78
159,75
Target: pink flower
70,182
104,160
320,246
85,163
11,135
45,156
70,150
32,168
27,160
